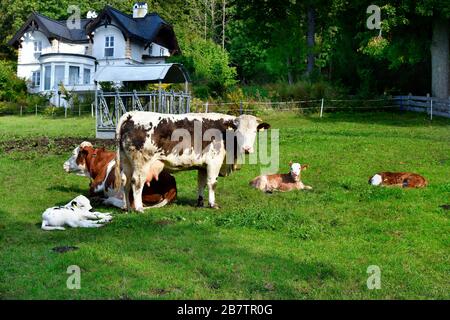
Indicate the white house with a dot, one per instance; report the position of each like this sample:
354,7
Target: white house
51,53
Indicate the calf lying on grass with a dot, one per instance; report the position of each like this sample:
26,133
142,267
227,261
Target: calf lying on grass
399,179
282,182
75,214
99,166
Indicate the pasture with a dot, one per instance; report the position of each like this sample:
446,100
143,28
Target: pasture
301,245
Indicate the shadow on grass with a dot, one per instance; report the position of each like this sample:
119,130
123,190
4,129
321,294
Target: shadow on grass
178,260
71,189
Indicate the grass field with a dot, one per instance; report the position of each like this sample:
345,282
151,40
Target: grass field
298,245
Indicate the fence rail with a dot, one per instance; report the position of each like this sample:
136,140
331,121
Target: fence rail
428,104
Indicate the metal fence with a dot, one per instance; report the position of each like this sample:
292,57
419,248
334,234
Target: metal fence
112,105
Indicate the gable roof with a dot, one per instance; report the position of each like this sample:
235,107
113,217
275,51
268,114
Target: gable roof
148,29
52,29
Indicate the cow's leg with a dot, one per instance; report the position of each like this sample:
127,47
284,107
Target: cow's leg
126,182
201,183
212,174
137,185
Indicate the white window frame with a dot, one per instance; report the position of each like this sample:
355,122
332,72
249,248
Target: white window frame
84,75
47,76
78,77
109,44
36,78
37,48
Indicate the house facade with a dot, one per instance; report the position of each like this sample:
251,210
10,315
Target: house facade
53,53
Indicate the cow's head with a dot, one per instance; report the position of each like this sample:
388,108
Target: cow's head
246,128
77,162
80,202
376,180
296,170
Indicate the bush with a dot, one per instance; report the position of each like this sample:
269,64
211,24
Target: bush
12,88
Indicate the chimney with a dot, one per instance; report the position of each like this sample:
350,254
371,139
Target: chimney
91,14
140,10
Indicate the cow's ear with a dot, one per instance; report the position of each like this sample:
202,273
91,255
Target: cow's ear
263,126
84,151
290,163
230,125
304,166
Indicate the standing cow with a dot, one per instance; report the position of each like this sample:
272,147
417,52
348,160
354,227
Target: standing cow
149,142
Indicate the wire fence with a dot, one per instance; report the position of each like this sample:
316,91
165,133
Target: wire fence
51,111
314,106
320,106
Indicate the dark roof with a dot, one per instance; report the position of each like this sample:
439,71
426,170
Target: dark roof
151,28
52,29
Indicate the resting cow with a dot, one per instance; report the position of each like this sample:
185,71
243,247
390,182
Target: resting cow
399,179
99,166
75,214
282,181
148,140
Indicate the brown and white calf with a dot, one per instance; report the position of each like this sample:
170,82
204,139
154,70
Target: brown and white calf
282,181
176,142
99,165
399,179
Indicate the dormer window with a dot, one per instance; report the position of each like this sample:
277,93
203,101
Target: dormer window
109,46
37,49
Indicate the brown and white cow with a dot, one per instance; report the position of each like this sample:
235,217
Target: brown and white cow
148,140
99,165
398,179
282,181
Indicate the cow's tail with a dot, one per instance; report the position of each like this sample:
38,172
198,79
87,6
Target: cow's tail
117,171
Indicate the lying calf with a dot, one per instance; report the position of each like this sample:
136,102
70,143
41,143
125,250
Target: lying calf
99,166
75,214
282,182
399,179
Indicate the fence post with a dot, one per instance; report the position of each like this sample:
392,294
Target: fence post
409,100
21,111
79,110
321,108
431,108
65,111
241,107
92,110
36,109
206,107
428,102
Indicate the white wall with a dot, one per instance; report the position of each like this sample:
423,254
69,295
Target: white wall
64,47
27,51
98,48
156,51
137,50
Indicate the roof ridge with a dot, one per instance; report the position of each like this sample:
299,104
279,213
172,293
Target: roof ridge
51,19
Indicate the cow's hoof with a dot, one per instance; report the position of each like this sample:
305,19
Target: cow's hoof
139,210
214,206
200,203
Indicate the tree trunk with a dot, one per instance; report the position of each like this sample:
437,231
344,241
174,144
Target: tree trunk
224,15
439,59
310,39
289,71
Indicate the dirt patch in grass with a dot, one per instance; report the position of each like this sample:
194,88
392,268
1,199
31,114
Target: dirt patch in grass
64,249
45,145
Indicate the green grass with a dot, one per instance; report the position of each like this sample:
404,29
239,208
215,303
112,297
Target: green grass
298,245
